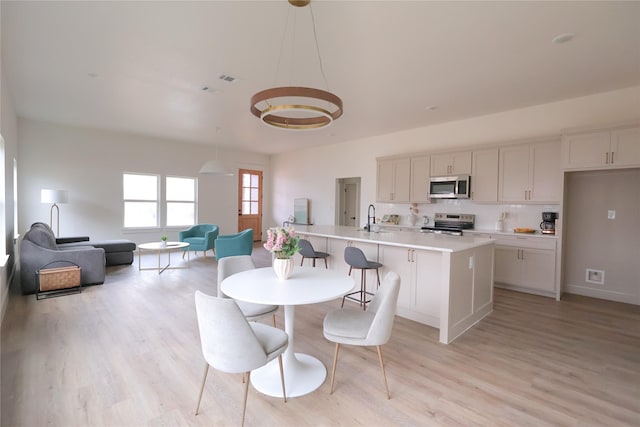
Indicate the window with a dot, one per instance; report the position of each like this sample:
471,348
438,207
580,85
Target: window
142,201
250,193
181,201
140,193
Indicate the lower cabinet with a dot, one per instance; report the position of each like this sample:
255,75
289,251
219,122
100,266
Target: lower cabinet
419,297
527,264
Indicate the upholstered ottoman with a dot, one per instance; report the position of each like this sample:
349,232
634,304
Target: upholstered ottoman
117,252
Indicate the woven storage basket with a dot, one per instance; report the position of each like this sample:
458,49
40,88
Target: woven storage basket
51,279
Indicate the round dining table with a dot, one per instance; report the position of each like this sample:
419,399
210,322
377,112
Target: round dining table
303,373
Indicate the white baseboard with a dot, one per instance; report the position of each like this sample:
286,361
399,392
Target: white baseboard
602,294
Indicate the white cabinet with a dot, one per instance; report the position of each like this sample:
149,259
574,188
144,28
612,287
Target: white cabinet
484,179
526,263
393,180
602,149
419,297
457,163
420,173
530,173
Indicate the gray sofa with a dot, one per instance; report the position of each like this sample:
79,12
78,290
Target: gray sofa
38,249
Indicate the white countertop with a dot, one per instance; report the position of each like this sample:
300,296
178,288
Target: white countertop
405,239
511,233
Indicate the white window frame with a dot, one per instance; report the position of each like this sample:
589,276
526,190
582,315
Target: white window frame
157,201
166,201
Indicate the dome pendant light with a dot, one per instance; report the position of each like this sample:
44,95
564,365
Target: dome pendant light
297,107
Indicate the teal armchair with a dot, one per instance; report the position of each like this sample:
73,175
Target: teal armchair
234,244
201,237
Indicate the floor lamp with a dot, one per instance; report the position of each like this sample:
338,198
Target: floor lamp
54,197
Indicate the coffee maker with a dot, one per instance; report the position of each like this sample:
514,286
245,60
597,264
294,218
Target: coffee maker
548,224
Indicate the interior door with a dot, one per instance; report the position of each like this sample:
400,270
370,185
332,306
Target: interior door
347,201
350,201
250,202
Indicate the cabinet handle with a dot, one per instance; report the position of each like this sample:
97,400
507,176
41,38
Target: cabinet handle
408,255
612,157
413,255
606,158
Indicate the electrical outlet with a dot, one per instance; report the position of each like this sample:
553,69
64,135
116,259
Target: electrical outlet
595,276
611,214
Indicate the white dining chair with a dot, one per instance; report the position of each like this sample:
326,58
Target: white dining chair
232,344
371,327
235,264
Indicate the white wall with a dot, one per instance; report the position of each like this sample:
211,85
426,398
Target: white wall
312,172
9,131
89,164
596,242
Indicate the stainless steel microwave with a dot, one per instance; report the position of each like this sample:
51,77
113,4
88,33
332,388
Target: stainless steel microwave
450,187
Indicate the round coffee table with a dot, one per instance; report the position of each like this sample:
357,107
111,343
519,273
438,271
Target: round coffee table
160,248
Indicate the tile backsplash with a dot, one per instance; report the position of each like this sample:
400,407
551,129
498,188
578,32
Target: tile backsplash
486,215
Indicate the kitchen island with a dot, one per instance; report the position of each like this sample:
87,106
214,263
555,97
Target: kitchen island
446,281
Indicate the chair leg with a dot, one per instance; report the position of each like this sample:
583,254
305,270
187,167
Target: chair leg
335,363
378,275
246,392
384,375
302,261
273,316
183,252
314,262
363,288
204,379
325,262
342,306
284,393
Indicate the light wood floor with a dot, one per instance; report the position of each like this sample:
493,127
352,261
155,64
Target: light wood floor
127,353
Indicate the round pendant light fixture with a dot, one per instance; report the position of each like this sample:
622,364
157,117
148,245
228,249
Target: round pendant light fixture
288,107
297,107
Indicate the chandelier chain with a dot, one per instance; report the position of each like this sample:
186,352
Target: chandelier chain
315,35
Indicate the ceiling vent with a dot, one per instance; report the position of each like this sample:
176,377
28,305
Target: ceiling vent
228,79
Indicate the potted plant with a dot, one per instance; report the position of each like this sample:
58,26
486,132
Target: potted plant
283,244
163,240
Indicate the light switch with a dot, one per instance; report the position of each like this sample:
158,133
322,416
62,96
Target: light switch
611,214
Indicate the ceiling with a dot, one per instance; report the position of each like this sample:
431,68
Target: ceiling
139,67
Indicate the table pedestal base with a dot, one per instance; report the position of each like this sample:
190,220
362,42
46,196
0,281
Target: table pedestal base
302,375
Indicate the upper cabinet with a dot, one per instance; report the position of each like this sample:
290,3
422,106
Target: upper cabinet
602,149
530,173
393,180
420,167
484,180
458,163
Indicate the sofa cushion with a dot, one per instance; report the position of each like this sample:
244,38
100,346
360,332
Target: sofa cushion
108,245
115,245
41,237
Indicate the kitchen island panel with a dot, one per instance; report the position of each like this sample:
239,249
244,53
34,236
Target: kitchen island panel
446,281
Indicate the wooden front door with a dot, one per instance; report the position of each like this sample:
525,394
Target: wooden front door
250,202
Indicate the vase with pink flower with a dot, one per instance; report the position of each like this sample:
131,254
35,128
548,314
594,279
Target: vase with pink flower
283,244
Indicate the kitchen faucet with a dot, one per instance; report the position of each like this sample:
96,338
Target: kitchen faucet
369,217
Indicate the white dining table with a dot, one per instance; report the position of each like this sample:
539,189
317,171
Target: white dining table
303,373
